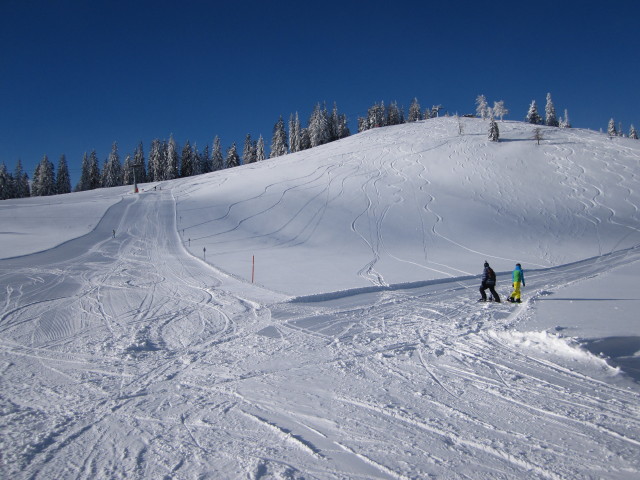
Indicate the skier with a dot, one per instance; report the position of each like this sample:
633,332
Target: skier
488,281
518,277
114,234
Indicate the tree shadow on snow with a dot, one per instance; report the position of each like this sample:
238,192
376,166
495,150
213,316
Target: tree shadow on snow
622,352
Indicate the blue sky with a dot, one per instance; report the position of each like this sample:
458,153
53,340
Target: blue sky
79,75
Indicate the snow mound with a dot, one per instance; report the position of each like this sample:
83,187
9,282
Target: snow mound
553,345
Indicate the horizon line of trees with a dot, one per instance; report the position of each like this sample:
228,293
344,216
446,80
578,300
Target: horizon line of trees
165,163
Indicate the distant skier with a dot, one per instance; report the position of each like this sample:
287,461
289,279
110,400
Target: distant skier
488,281
114,234
518,278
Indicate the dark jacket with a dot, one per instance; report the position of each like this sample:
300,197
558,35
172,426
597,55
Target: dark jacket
487,278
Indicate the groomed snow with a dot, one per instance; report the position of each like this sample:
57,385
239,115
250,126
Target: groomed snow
359,351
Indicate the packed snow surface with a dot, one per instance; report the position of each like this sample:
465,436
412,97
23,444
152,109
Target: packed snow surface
359,350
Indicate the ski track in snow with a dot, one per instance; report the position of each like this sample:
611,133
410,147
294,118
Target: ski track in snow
129,358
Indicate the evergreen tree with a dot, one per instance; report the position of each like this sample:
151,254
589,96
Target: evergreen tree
550,113
363,124
196,159
20,182
319,126
6,183
127,171
112,173
217,160
494,132
376,117
482,108
532,115
305,139
278,140
249,151
172,165
205,160
63,181
294,133
84,182
138,161
232,160
44,179
415,112
94,171
632,133
564,122
395,116
186,160
260,149
156,166
499,110
611,129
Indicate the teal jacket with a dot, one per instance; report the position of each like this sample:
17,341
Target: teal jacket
518,275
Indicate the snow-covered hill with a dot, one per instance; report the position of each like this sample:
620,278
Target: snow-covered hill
359,351
416,202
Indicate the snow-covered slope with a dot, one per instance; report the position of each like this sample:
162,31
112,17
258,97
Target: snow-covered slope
359,351
416,202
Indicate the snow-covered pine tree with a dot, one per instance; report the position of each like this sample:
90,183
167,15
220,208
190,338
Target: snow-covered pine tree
278,140
196,160
172,168
532,115
494,132
376,116
567,122
319,126
611,129
294,134
138,159
550,113
482,108
233,159
63,181
363,124
83,183
632,132
127,171
205,160
6,183
333,123
620,131
44,179
94,171
394,114
186,160
112,174
20,181
217,160
260,149
305,140
155,161
499,110
415,113
248,151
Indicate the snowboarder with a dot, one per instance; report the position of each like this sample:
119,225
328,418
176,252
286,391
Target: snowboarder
518,278
488,281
